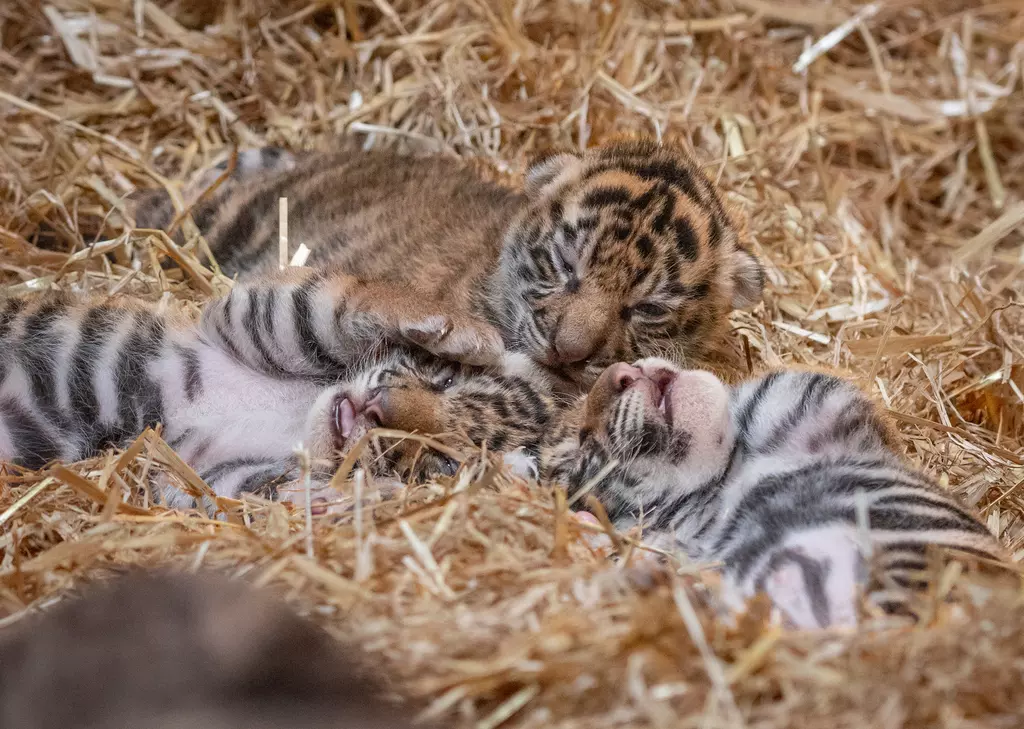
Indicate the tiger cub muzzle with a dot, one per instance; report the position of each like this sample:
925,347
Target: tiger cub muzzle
652,408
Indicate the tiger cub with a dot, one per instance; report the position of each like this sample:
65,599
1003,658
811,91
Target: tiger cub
623,251
790,481
77,377
168,651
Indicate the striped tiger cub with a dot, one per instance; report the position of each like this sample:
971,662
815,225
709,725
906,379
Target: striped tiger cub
626,250
77,377
791,481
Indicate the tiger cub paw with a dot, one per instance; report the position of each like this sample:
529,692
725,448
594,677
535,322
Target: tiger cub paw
467,341
323,500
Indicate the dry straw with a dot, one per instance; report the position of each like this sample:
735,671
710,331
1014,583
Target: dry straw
878,152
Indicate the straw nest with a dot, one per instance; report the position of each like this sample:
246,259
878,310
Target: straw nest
878,151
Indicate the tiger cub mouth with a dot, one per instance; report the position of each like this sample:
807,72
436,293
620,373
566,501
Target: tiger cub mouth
352,417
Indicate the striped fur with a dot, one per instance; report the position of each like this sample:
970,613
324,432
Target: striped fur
624,251
78,377
790,481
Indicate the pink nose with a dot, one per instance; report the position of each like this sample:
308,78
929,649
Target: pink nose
660,376
623,375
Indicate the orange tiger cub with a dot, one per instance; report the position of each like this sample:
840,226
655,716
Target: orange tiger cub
623,251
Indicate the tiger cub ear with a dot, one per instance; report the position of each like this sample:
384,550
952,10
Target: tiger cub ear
545,173
748,279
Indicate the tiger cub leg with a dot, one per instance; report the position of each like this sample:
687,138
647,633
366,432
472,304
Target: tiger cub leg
153,209
815,578
301,322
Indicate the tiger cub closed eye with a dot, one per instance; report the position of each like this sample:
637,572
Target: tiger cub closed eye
623,251
77,377
768,478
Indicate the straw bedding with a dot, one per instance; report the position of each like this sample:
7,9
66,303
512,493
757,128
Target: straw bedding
878,152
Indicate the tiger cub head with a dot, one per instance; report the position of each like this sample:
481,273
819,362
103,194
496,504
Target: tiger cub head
643,432
621,252
503,408
651,429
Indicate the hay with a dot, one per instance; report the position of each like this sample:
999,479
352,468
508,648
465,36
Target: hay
877,151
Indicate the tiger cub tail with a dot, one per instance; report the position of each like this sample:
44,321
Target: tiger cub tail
207,191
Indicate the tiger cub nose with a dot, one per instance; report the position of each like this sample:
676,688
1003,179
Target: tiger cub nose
583,328
570,347
622,375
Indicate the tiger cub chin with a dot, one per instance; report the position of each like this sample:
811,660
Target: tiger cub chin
77,377
626,250
790,481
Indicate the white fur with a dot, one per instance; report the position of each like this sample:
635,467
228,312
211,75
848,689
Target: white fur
521,465
69,333
240,413
6,443
104,375
16,387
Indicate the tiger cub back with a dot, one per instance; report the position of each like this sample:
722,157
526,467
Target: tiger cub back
622,251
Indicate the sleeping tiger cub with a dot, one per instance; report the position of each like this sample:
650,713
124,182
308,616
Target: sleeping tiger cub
779,479
624,251
77,377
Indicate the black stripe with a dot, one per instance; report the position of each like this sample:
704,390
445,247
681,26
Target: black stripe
810,394
225,468
103,437
771,526
686,239
971,523
233,243
312,348
812,484
906,582
98,325
33,447
250,323
607,197
663,171
225,344
182,437
694,503
894,518
269,157
815,575
907,564
269,309
264,480
714,231
754,401
664,217
37,350
193,372
9,310
140,404
229,302
922,548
